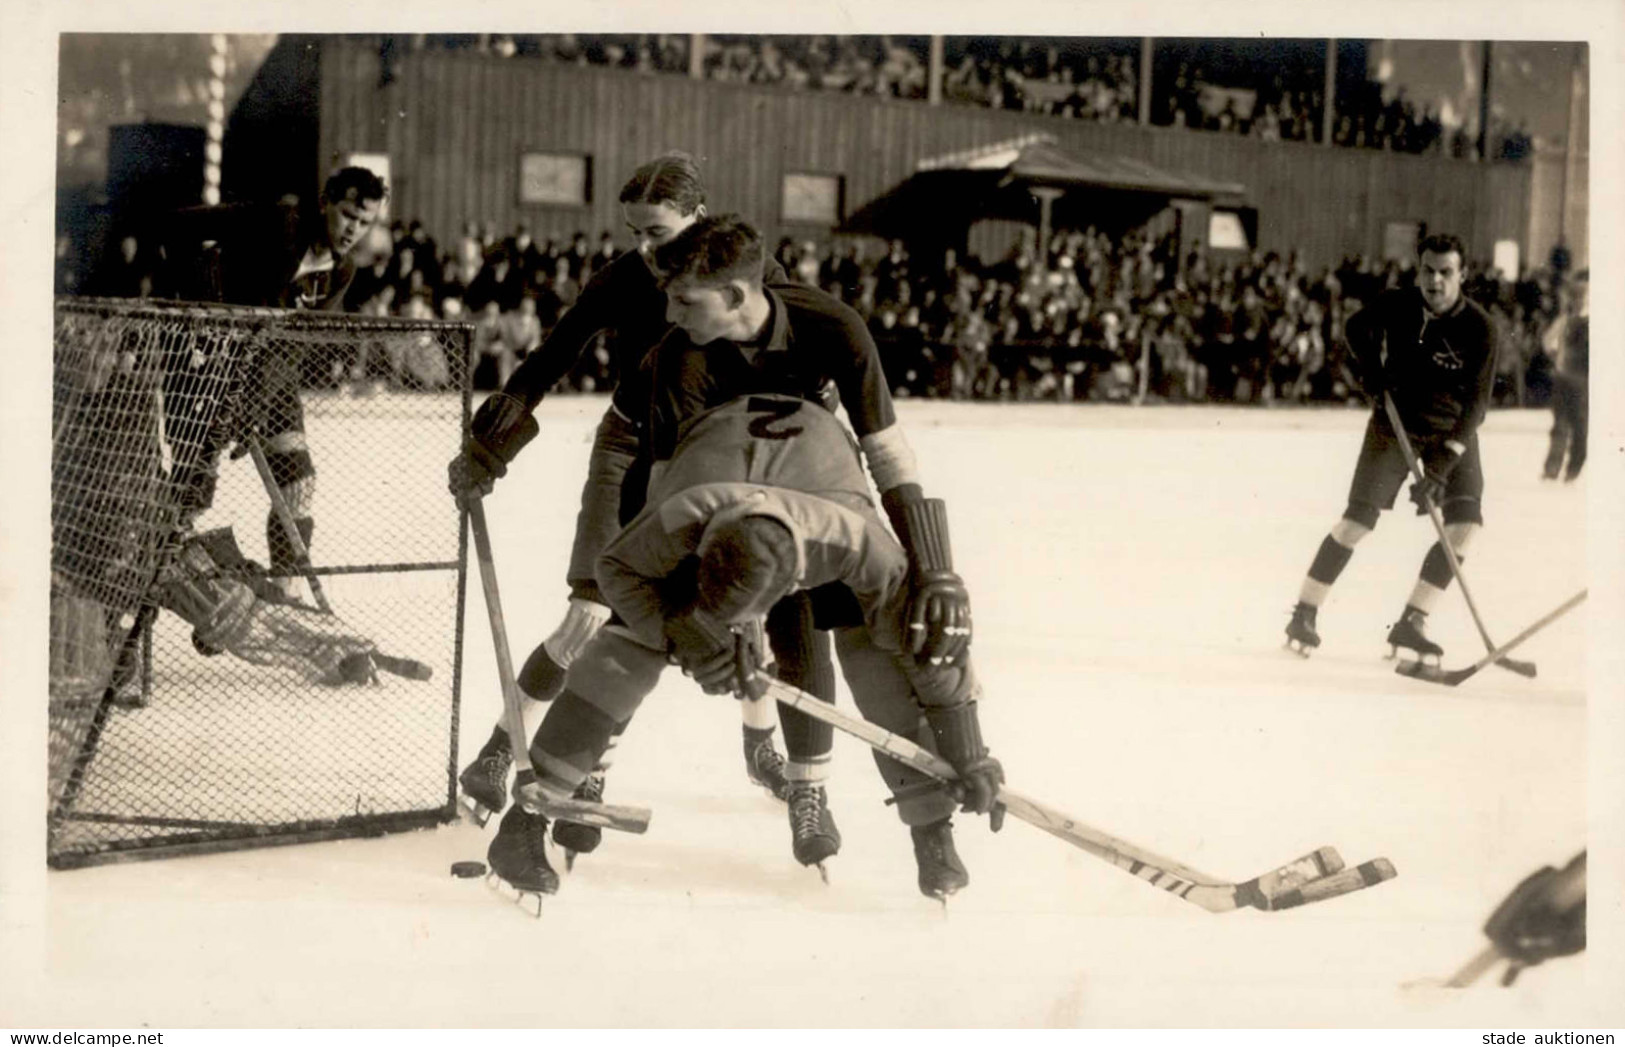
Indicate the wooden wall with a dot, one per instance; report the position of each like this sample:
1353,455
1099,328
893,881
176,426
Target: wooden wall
455,124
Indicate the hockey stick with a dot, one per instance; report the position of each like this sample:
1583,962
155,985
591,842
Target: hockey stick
1519,667
1312,878
609,816
1453,677
284,515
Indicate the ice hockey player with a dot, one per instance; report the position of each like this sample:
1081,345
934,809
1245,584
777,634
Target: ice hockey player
1568,343
1433,350
282,256
763,495
736,335
662,198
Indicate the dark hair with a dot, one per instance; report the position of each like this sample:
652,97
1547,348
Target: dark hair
671,178
365,185
1442,243
714,250
746,566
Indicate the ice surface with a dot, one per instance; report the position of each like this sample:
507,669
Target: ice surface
1132,570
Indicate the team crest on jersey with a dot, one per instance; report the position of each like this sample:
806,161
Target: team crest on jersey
1446,358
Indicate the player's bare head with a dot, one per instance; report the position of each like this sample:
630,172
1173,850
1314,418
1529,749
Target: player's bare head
670,178
1440,258
712,275
716,250
747,565
350,202
660,200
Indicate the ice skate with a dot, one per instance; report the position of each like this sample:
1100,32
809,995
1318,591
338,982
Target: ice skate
941,871
518,859
1301,637
813,835
485,781
764,764
1407,633
574,837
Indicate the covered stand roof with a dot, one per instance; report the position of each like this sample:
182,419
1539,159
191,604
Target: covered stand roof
948,193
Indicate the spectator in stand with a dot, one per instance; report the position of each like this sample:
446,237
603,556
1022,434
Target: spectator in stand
129,273
498,282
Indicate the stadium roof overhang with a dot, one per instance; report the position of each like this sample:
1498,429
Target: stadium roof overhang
1007,180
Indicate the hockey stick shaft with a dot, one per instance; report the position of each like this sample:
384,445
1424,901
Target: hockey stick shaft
512,714
1434,515
1143,863
284,515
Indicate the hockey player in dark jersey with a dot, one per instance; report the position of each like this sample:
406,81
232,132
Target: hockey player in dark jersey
765,495
735,335
289,257
662,198
1433,351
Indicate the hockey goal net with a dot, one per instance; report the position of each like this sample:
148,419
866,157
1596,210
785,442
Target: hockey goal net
242,652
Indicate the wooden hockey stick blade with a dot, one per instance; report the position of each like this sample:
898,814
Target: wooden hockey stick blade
1454,677
1258,891
1366,874
1198,888
621,817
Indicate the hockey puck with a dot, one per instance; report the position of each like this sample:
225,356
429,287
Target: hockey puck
467,870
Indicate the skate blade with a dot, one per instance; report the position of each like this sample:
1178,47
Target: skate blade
569,861
1424,671
1299,648
473,810
823,873
1345,881
529,901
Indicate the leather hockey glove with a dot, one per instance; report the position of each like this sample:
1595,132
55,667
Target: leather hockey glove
1543,917
958,733
702,650
1438,462
500,430
939,623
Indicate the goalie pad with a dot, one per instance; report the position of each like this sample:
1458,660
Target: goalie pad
227,614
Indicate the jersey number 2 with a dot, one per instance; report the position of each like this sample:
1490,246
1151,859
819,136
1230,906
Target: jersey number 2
772,411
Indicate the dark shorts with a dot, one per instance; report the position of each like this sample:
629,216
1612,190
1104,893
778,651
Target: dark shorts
614,446
1381,472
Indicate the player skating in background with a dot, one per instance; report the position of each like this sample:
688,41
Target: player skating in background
1568,343
1433,351
290,257
660,200
765,494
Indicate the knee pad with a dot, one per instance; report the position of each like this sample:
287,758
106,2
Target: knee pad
1462,511
1363,514
614,674
581,623
1461,534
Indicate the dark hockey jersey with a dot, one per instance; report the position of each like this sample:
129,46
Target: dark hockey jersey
1440,369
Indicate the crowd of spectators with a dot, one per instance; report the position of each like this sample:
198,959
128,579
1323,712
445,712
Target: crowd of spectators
1072,77
1085,318
1090,318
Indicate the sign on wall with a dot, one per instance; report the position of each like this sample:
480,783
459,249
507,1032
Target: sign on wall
555,179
